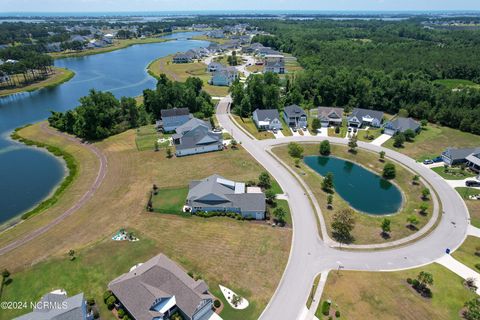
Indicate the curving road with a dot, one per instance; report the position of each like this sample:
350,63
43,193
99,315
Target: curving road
102,171
310,255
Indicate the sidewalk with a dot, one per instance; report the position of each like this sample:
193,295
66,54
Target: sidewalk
460,269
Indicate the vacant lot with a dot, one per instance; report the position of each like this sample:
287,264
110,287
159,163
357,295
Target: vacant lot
170,200
387,296
466,253
433,140
181,71
249,125
147,135
367,227
216,247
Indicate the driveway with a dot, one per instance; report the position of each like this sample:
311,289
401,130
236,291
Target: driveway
310,255
279,134
381,140
461,183
323,132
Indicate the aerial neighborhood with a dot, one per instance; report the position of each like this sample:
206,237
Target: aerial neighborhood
240,165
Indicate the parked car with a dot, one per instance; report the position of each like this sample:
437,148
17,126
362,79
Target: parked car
275,130
472,183
355,130
294,129
427,161
437,159
349,129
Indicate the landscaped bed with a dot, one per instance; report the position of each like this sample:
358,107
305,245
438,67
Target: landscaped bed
388,296
454,173
367,227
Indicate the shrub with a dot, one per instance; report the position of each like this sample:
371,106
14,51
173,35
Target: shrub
295,150
337,129
325,148
217,303
90,301
121,313
415,283
111,302
477,266
337,314
107,294
389,171
326,308
409,280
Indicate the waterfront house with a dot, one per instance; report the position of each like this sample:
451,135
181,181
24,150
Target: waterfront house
217,194
159,288
295,116
365,117
182,58
267,119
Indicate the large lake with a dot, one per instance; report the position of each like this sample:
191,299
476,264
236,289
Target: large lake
364,190
28,175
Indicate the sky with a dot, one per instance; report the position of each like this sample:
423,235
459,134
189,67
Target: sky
195,5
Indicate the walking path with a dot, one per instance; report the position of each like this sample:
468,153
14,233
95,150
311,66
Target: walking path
473,231
460,269
317,296
381,140
102,171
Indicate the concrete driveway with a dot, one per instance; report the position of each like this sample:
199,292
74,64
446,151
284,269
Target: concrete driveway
310,255
381,140
279,134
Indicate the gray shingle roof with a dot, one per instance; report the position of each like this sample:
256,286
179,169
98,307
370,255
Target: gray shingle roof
460,153
294,111
216,191
361,113
403,124
159,277
196,132
326,113
74,309
174,112
264,114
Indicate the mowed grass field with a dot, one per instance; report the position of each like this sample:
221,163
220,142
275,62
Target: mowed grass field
367,227
249,125
457,83
472,205
387,295
466,253
433,140
181,71
58,76
238,254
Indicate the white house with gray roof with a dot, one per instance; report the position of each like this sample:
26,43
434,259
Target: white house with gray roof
173,118
196,136
365,117
56,305
400,125
295,116
330,116
267,119
159,288
469,156
218,194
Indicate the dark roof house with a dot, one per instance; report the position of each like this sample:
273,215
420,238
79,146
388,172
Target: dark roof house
196,136
400,125
158,288
360,117
295,116
330,116
454,156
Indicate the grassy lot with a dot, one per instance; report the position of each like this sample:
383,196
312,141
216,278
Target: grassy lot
387,296
367,228
118,44
343,130
313,290
255,68
285,129
206,38
181,71
170,200
147,135
291,63
433,140
120,203
59,76
249,125
362,134
283,204
453,173
466,253
457,83
472,205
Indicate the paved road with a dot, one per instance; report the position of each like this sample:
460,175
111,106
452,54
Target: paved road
310,255
102,171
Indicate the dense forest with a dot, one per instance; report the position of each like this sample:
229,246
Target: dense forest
101,115
381,65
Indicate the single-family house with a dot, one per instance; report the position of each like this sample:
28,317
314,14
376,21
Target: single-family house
224,77
173,118
253,48
215,66
217,194
365,117
295,116
267,119
400,125
159,288
4,77
196,136
56,305
330,116
274,63
182,58
216,34
469,156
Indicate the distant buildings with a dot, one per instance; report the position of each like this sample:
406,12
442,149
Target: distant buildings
159,288
218,194
274,63
196,136
182,58
295,117
56,305
267,119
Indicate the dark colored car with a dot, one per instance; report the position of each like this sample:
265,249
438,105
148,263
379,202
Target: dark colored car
472,183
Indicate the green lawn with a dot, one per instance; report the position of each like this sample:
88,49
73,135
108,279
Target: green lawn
285,129
249,125
170,200
457,83
343,130
91,271
453,173
466,253
472,205
466,191
433,140
283,204
387,295
226,136
361,135
313,290
147,135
